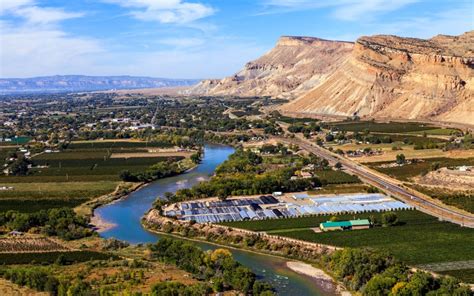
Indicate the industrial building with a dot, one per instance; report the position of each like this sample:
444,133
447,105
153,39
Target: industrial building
272,207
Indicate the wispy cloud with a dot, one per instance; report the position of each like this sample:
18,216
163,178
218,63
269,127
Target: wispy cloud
453,21
348,10
183,42
33,14
357,9
166,11
32,41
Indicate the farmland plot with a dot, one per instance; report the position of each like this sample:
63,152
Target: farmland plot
30,245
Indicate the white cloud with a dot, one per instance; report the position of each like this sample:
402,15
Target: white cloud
450,22
349,10
37,15
182,42
32,42
454,21
166,11
34,14
30,51
11,5
219,58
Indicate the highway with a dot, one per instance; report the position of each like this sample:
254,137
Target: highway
387,184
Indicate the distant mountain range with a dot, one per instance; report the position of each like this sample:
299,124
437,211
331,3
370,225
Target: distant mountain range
74,83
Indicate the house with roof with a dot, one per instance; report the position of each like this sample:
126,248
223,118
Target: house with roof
345,225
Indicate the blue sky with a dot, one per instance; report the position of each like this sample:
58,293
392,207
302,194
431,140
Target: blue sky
195,38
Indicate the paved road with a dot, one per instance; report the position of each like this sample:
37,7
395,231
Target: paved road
387,184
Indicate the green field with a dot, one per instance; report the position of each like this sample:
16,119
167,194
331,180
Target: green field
461,200
114,144
390,127
28,205
439,132
467,275
407,171
293,120
72,176
276,225
84,165
57,190
411,139
51,257
420,239
336,177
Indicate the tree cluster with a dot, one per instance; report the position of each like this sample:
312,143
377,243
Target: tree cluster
218,267
62,222
157,171
376,273
40,279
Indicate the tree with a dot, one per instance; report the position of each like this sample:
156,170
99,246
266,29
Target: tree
242,279
338,165
389,219
196,158
329,137
222,194
126,176
262,288
400,158
217,284
379,285
435,166
20,166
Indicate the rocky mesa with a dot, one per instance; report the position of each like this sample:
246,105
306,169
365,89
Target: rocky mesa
293,67
390,77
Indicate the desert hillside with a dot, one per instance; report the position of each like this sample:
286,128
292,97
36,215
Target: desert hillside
394,77
294,66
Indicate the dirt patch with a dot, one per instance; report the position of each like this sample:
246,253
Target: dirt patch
409,152
444,177
8,288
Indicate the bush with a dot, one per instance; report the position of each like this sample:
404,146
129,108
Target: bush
389,219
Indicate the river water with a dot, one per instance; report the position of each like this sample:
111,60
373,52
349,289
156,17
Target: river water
125,214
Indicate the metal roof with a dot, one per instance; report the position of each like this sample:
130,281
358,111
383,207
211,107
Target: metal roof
360,222
336,224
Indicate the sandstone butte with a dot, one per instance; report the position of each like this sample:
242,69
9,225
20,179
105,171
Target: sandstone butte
381,76
293,67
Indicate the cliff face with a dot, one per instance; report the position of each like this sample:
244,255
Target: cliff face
294,66
394,77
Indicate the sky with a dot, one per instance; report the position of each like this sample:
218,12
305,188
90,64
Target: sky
196,38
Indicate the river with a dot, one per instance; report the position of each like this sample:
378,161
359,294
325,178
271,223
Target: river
126,213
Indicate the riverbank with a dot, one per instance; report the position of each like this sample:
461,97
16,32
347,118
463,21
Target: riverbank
309,270
101,225
122,190
319,274
323,279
